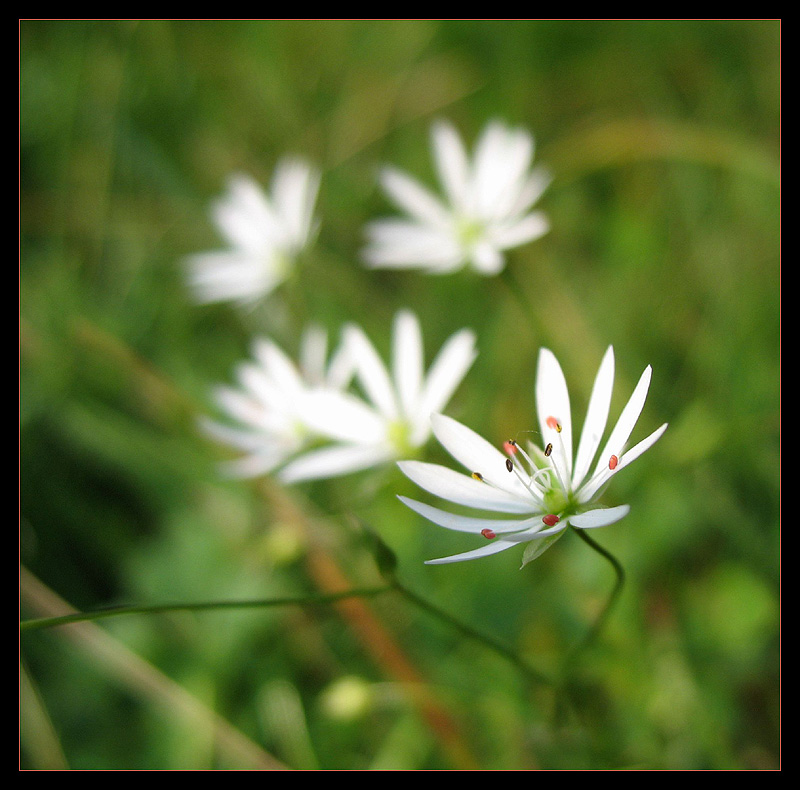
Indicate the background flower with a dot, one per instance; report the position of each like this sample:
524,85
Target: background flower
486,206
266,408
265,234
392,420
541,486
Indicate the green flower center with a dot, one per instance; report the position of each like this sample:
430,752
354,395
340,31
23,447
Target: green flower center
399,435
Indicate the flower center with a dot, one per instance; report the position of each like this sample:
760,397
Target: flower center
468,231
399,435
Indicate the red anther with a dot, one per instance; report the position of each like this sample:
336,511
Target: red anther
488,533
509,465
510,446
612,462
548,449
553,423
551,519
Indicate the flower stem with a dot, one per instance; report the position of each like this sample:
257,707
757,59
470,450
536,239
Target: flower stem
530,672
203,606
592,633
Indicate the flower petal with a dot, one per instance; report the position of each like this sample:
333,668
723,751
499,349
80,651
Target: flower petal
475,454
626,422
463,490
407,360
601,517
371,371
414,198
552,401
333,461
452,163
484,551
474,525
596,417
444,375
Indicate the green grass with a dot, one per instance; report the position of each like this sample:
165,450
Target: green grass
664,142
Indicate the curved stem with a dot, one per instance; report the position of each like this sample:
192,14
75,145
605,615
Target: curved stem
592,633
203,606
530,672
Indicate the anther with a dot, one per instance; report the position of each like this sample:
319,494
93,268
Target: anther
509,465
488,533
510,446
548,450
477,476
612,462
553,423
551,519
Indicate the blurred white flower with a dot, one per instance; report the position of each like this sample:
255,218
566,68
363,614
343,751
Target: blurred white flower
266,408
393,419
265,234
486,206
541,487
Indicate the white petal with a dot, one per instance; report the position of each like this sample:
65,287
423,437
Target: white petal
245,217
444,375
502,159
463,490
474,452
371,371
552,400
340,416
484,551
294,192
596,417
277,365
635,451
232,276
626,422
599,518
530,227
407,360
604,474
487,259
400,244
333,461
452,163
415,199
460,523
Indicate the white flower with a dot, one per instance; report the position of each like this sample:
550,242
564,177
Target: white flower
394,417
486,208
265,234
267,406
543,489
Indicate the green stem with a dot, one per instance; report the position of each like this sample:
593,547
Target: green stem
592,633
530,672
204,606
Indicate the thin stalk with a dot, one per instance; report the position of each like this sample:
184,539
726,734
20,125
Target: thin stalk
467,630
599,622
203,606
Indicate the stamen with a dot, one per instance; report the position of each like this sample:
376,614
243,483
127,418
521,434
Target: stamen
510,447
477,476
509,465
488,533
553,423
548,449
612,462
551,519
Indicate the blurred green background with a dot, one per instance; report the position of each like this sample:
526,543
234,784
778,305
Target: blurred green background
664,142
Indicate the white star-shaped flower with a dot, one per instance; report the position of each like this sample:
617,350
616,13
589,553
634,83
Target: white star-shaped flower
264,233
393,418
542,489
264,415
485,210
